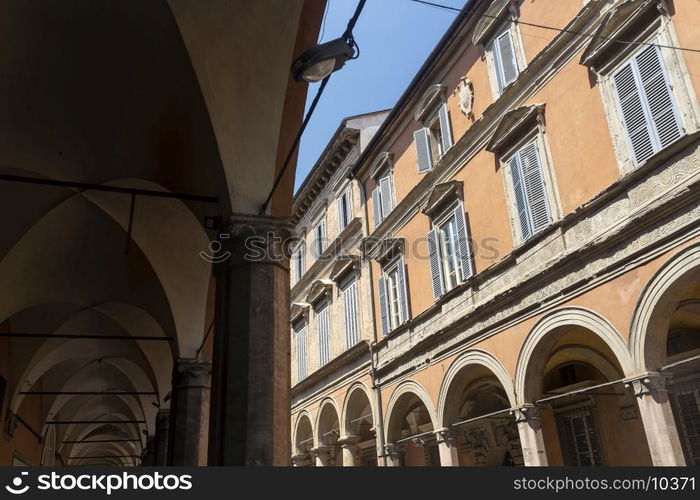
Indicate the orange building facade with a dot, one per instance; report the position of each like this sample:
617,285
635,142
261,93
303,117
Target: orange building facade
527,255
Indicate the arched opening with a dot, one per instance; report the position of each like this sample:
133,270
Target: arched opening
410,433
477,410
328,450
575,379
303,443
359,428
665,336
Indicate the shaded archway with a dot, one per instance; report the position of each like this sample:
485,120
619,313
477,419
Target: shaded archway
410,428
665,340
303,442
476,400
328,450
572,368
358,427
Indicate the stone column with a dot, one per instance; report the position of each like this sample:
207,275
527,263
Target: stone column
657,417
323,456
447,446
250,410
393,455
189,407
301,460
149,452
530,430
349,444
161,438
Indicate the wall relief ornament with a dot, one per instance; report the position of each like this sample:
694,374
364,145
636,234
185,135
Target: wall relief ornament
465,91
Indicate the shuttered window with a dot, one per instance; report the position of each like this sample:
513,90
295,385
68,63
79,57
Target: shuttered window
504,60
300,342
383,198
449,252
393,297
298,264
645,100
320,237
352,326
530,192
344,209
433,140
324,333
578,436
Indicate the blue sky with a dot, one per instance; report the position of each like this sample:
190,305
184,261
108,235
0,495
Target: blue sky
395,38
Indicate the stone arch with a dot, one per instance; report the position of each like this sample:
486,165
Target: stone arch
562,318
470,358
408,388
350,397
649,325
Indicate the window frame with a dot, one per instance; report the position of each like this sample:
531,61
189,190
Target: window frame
682,90
395,311
345,208
319,242
513,28
298,328
321,308
445,219
378,200
537,135
350,281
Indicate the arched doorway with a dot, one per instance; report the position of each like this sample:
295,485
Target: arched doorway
360,443
572,370
411,439
328,450
665,338
476,407
303,442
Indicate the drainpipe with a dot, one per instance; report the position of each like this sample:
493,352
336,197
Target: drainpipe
379,420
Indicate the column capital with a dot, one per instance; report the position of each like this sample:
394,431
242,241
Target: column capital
348,440
320,451
647,383
301,459
193,372
526,413
260,239
445,435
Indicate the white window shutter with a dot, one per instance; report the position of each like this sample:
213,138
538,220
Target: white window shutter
383,305
339,203
403,291
507,60
435,267
535,190
387,195
302,257
464,243
445,128
348,203
377,205
520,198
301,352
659,98
423,150
633,111
323,329
352,330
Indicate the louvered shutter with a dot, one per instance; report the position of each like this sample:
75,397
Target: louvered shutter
351,316
377,205
535,190
520,198
341,213
464,243
323,328
387,195
445,128
422,141
633,111
657,93
348,203
301,352
403,291
506,63
383,305
435,267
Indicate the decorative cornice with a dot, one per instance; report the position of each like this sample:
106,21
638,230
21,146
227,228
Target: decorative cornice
442,195
435,93
343,265
494,16
320,289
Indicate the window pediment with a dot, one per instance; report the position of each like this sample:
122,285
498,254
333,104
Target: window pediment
344,265
320,289
435,94
442,195
616,23
383,161
297,310
494,16
514,123
384,250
